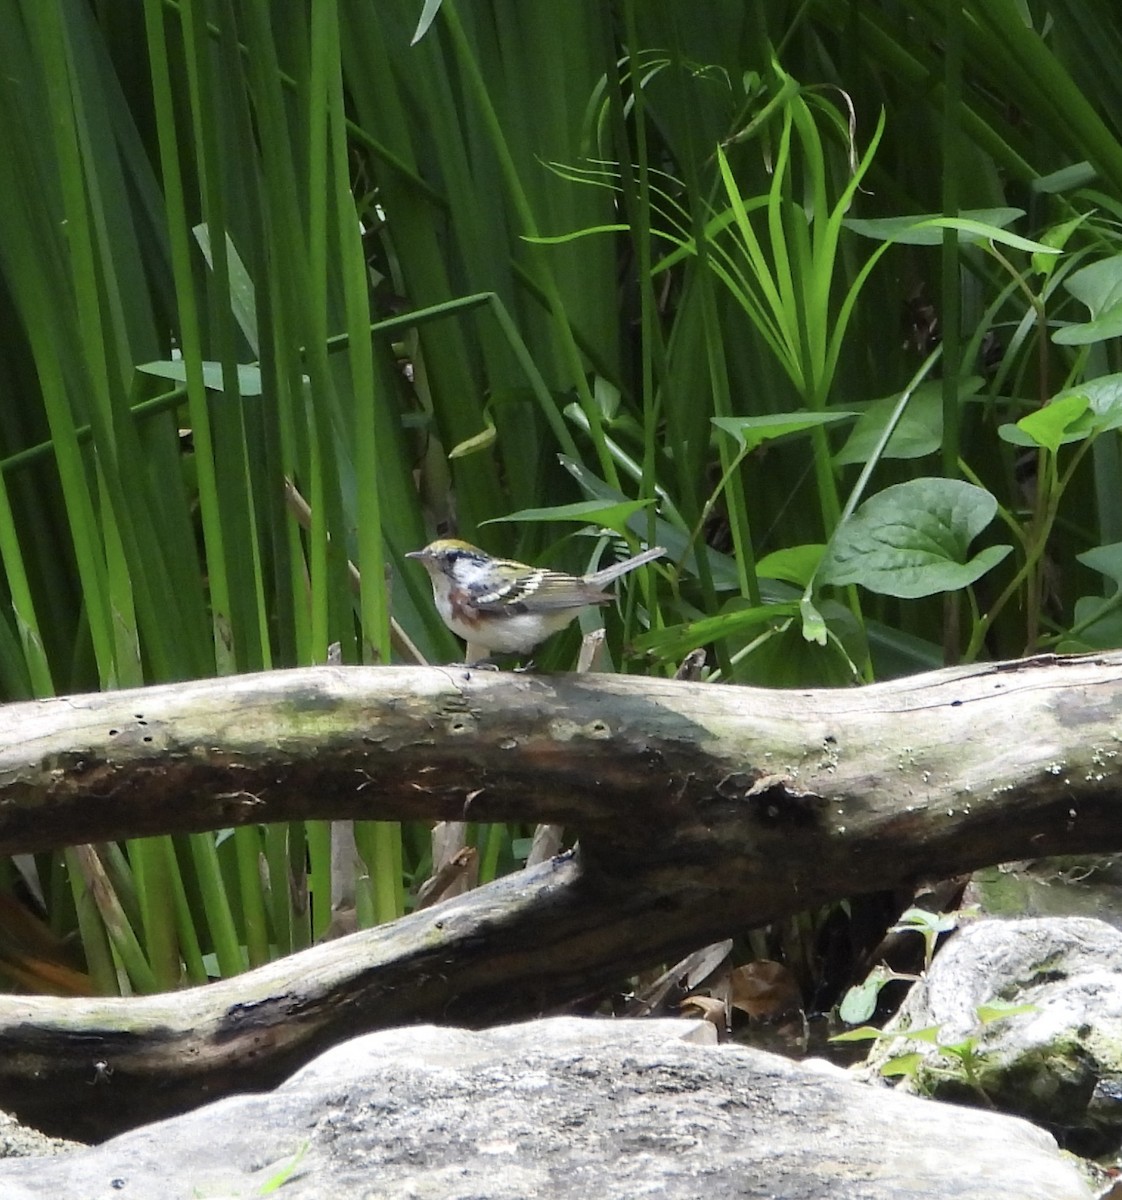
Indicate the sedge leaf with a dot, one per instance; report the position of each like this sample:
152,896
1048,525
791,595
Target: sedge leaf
751,432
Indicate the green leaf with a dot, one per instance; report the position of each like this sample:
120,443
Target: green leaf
913,540
610,515
428,15
1106,560
243,301
249,376
923,921
1066,179
901,1064
1055,424
676,640
814,624
751,432
483,440
918,432
607,396
1098,287
922,1033
1057,236
866,1033
998,1010
792,564
919,231
1101,401
860,1001
1098,623
1104,395
974,227
782,656
559,239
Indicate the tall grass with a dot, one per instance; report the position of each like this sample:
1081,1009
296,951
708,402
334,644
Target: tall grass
285,295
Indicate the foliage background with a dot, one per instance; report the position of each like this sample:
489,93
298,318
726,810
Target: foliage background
288,288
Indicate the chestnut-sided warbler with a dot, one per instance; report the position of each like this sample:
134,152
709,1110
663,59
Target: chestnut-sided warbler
508,607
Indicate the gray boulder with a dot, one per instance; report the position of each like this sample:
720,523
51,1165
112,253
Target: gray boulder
1058,1064
563,1108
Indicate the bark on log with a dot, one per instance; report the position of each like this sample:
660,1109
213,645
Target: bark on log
702,811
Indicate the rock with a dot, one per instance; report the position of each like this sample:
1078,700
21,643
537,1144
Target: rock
1059,1065
564,1108
1081,886
17,1141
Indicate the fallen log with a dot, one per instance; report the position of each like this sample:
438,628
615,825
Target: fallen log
701,811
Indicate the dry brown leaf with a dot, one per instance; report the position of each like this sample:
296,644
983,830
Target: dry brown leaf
764,989
706,1008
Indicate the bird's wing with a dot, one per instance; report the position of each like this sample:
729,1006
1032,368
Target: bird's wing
540,591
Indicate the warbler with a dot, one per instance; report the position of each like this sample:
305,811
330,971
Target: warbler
509,607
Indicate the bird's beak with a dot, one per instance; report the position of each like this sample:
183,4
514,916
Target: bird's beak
421,554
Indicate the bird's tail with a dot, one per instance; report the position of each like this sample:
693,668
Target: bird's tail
604,577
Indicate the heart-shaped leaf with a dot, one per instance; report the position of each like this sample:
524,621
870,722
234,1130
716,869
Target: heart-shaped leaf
913,540
918,432
1106,560
1063,420
1099,287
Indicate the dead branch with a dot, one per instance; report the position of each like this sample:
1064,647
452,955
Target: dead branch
701,811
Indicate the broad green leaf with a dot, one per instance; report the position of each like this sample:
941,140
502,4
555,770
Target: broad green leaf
860,1002
1054,425
793,564
1098,287
901,1064
784,657
1102,401
249,376
814,624
1097,625
1106,560
913,540
895,652
751,432
918,432
1104,395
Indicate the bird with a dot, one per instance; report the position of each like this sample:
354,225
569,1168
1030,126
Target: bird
510,607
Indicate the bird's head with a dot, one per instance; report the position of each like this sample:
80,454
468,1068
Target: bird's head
459,561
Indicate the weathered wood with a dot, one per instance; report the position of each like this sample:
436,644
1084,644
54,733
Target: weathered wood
702,810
